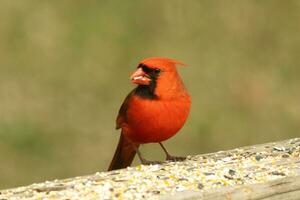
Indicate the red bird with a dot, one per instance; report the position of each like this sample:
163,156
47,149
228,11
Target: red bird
153,112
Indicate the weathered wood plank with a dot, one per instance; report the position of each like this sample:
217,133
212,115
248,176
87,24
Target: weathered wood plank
265,171
281,189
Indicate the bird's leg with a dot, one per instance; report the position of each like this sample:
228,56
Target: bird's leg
144,161
169,157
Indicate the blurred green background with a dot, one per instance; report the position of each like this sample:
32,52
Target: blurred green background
65,66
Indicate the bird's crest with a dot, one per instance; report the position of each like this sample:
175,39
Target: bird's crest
159,61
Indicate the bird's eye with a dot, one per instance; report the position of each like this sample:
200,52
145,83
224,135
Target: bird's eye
157,71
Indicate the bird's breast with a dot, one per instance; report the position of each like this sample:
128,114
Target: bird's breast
156,120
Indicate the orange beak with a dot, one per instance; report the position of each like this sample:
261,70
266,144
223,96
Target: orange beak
140,77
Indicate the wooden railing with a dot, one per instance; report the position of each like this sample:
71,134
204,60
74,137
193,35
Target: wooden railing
265,171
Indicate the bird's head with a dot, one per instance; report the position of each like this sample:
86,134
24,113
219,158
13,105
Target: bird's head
156,75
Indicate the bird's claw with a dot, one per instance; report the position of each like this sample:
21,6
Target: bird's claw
175,158
148,162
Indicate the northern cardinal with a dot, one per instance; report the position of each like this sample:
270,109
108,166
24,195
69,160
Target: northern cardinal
153,112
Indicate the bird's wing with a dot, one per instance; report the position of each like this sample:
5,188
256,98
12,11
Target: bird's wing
122,116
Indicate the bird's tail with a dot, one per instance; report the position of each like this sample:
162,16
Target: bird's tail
124,154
